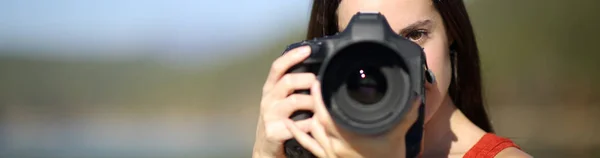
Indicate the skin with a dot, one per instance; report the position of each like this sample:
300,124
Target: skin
447,132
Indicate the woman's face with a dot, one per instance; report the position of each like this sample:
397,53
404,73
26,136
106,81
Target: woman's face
419,21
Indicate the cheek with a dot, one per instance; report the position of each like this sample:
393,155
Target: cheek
436,51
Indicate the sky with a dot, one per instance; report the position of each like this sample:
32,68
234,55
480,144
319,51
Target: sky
124,27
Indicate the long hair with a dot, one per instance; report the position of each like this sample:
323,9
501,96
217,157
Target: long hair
465,89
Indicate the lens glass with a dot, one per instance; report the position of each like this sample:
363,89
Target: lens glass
366,85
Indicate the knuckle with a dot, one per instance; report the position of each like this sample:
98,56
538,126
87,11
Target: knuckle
308,77
278,66
312,76
264,101
287,79
263,108
265,90
265,105
271,133
301,100
268,105
324,121
266,120
305,99
263,119
339,149
293,99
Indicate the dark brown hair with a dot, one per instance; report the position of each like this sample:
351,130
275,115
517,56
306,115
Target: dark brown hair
465,88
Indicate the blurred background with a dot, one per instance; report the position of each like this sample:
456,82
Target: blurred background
182,78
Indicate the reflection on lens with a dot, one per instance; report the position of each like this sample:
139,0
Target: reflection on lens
366,85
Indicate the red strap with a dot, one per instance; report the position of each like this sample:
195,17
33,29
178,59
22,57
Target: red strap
489,146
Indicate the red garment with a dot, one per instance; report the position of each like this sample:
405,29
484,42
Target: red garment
489,146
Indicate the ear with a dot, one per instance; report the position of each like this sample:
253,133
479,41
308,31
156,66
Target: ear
452,48
451,43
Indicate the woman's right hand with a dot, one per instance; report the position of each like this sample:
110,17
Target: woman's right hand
278,103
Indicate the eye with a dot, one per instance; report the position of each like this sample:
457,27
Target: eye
417,35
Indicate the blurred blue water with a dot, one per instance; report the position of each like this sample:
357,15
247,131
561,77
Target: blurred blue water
116,136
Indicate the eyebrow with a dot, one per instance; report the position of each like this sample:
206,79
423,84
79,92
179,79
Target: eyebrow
415,26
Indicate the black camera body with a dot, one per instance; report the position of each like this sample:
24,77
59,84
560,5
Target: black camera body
370,76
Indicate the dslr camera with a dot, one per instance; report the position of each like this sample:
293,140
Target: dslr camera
370,76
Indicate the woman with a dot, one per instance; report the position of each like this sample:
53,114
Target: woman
456,123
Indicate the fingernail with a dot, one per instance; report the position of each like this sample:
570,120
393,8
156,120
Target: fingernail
304,51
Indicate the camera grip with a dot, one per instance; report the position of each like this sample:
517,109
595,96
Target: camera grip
291,147
312,64
302,114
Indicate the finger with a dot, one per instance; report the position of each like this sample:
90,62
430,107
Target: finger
342,149
285,108
296,102
291,82
337,145
413,114
321,111
304,125
306,141
282,64
278,131
318,132
411,117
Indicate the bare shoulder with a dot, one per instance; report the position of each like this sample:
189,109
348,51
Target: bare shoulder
512,152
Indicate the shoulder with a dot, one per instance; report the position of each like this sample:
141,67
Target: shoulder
512,152
491,145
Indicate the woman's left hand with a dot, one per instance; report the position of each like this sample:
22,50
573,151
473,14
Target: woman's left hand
330,141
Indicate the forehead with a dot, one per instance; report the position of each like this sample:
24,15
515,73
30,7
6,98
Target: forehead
399,13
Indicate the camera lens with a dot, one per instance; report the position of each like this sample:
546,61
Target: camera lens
366,85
